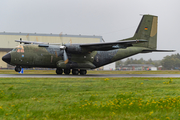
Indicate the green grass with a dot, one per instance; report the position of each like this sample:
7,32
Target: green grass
94,72
89,98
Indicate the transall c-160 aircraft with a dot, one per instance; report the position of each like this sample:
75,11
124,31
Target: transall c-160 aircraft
81,57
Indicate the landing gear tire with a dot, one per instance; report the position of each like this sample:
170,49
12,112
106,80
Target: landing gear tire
83,72
67,71
18,69
59,71
75,72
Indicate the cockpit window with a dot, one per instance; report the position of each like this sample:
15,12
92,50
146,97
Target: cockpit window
19,48
15,50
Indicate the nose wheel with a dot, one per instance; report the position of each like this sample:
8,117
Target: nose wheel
17,68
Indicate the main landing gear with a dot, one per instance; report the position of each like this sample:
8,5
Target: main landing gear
83,72
60,71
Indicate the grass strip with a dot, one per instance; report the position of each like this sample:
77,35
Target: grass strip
89,98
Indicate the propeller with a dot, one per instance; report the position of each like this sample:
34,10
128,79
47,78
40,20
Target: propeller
70,41
20,40
36,39
63,47
27,36
60,38
65,57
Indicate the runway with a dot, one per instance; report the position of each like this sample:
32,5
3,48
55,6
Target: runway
85,76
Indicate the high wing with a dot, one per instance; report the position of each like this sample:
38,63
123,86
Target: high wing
110,45
100,46
93,46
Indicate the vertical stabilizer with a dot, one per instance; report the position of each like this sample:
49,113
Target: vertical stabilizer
147,30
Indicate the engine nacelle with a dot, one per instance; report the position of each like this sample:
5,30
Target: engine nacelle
74,48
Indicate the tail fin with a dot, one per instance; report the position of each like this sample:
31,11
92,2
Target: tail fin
147,30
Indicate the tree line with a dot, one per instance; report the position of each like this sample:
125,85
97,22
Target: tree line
167,63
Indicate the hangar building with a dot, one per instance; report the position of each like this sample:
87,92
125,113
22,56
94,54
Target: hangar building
7,40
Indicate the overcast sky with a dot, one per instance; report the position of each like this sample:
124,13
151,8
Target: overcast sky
112,19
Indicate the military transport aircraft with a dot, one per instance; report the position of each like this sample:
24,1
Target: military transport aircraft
80,57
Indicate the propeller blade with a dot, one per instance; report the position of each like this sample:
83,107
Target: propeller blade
27,36
61,38
20,40
36,39
65,57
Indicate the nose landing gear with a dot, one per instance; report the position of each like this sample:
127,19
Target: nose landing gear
17,68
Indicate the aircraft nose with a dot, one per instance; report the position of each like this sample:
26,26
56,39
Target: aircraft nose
7,58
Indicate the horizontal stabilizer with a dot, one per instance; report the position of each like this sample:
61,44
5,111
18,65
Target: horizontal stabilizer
147,51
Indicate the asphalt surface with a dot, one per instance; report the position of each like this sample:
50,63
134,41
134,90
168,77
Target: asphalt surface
85,76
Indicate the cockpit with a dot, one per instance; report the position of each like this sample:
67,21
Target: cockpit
19,48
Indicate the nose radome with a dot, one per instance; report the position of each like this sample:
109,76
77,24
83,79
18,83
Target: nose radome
7,58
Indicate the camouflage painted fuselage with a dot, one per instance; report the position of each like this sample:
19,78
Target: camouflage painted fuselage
52,57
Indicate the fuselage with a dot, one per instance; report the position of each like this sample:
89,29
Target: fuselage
52,57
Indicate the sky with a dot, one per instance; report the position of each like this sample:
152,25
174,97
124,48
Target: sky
112,19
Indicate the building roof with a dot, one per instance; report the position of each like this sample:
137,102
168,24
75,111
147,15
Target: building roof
56,35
